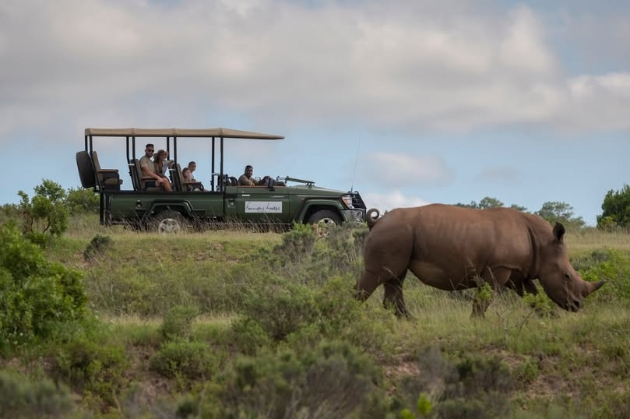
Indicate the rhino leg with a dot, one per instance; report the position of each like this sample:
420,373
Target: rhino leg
521,285
497,278
393,295
386,259
366,285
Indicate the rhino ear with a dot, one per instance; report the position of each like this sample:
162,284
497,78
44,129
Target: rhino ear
558,231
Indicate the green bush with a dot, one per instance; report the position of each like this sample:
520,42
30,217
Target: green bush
591,260
23,398
333,380
81,201
297,242
341,253
473,387
178,322
248,336
97,247
93,368
280,307
185,359
615,269
46,213
35,295
615,209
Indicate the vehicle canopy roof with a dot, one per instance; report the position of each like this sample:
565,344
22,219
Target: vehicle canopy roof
179,132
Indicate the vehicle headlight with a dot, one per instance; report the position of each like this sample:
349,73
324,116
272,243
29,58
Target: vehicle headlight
347,199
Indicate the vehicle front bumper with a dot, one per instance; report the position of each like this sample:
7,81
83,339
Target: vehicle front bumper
353,215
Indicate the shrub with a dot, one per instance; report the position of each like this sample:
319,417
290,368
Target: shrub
615,269
593,259
280,307
616,209
184,359
23,398
178,322
333,380
92,368
473,387
97,247
341,253
46,213
35,295
248,336
81,201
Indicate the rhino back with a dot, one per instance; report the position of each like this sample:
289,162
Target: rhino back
447,244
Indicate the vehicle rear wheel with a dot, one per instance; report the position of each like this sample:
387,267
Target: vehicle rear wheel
323,220
169,222
86,169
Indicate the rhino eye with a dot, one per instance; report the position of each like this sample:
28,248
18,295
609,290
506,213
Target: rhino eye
567,277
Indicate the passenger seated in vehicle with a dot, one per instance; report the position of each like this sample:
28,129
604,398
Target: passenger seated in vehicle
161,165
148,168
187,174
192,166
247,180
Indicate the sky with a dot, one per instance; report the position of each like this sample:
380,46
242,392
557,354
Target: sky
408,102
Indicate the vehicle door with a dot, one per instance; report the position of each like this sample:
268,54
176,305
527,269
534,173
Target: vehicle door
263,204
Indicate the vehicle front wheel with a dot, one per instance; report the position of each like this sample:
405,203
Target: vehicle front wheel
323,220
169,222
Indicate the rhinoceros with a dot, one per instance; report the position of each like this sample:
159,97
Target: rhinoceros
454,248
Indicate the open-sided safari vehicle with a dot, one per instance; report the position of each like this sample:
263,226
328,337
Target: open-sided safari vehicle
150,207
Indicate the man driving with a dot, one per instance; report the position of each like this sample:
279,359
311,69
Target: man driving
246,178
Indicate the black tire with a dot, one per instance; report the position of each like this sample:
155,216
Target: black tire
86,170
326,218
169,222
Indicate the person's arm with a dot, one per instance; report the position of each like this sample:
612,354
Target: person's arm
148,173
243,181
263,181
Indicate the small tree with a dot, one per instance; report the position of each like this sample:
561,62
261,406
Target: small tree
35,295
518,208
81,201
616,209
553,211
46,212
489,202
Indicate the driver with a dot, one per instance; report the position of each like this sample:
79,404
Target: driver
247,180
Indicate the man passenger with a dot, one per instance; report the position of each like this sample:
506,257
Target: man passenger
148,170
192,166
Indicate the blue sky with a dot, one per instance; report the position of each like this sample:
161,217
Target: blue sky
409,102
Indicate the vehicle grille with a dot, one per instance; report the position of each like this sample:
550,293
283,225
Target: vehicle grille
357,201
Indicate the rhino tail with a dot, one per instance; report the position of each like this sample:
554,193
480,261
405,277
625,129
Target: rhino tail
372,217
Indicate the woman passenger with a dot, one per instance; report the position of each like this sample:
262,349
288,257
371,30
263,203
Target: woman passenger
158,162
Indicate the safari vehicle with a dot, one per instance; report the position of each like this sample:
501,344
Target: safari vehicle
281,201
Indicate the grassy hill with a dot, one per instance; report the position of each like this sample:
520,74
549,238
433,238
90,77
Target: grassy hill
262,325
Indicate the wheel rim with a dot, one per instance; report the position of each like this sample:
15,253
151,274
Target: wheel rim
169,226
326,222
323,226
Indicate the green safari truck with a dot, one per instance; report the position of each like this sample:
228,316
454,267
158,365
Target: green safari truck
143,205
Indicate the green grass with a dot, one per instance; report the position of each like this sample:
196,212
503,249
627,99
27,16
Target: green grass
562,365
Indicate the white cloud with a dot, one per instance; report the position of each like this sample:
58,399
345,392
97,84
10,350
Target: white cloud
400,170
450,67
391,200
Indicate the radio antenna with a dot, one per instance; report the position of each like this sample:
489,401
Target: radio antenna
355,165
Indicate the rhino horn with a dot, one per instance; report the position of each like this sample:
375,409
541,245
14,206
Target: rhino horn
594,286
